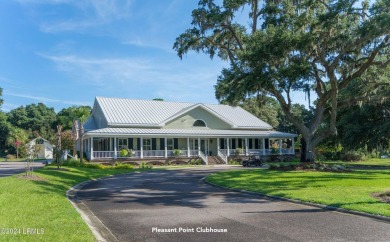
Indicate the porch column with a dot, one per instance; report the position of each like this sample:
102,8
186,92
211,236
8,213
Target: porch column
199,146
91,148
141,147
293,146
165,148
228,146
263,146
188,148
280,146
115,154
246,147
218,146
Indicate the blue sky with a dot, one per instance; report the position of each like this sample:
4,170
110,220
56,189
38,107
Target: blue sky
66,52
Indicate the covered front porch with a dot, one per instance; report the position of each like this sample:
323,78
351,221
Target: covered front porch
99,147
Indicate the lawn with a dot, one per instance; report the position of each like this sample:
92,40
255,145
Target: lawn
345,190
43,205
12,160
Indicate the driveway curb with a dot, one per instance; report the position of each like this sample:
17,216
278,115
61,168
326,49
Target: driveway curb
99,230
327,207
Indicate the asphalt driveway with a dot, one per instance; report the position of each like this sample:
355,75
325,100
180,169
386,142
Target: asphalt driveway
137,206
11,168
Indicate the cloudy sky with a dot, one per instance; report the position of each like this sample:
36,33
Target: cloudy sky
66,52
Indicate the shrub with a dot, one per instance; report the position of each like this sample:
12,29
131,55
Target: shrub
176,152
353,156
72,163
196,162
238,151
93,166
145,166
123,153
233,162
119,165
10,157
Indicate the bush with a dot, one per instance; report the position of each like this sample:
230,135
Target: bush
123,153
238,151
196,162
233,162
176,152
10,157
353,156
119,165
145,166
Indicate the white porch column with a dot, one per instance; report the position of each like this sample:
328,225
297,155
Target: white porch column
198,146
218,145
263,143
91,148
280,146
228,146
293,145
188,148
141,146
115,149
246,147
165,148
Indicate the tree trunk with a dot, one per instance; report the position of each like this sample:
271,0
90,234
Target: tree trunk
307,151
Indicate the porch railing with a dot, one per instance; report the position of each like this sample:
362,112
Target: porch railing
203,157
223,157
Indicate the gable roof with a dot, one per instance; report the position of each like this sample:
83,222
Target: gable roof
121,112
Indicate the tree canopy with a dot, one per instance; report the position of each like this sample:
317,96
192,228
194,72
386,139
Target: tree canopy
305,45
67,115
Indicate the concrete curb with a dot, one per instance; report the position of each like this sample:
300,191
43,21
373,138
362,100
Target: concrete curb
99,230
327,207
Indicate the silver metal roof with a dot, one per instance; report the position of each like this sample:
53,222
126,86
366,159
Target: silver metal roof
132,112
144,132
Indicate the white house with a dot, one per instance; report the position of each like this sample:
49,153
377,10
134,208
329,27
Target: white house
44,148
155,129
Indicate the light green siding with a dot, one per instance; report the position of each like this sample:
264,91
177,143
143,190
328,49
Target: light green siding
187,120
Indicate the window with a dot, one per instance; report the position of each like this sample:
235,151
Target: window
169,144
122,144
199,123
147,144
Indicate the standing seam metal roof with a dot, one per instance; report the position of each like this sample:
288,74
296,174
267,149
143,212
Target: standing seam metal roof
123,111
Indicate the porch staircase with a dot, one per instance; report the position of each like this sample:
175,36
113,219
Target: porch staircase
215,160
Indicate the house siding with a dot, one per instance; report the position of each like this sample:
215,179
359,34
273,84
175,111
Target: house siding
187,120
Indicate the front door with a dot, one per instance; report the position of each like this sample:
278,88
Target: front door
204,145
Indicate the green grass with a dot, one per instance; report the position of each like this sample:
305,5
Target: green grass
12,160
43,204
369,162
345,190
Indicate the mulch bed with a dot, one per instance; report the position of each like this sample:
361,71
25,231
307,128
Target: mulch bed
32,178
377,195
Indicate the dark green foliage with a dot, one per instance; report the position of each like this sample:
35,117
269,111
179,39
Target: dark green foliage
37,119
264,107
67,115
318,46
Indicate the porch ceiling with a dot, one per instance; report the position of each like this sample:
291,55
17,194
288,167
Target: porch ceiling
110,132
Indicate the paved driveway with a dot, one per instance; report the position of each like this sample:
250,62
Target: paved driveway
133,206
11,168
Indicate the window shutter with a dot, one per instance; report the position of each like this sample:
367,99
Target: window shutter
266,143
250,144
257,144
162,144
176,143
222,143
130,143
233,143
138,144
154,141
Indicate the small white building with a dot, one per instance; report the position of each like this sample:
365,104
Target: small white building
44,148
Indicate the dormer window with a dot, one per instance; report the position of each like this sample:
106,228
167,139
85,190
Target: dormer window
199,123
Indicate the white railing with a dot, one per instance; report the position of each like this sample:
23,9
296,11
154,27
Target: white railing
224,152
288,151
255,152
103,154
223,157
203,157
194,153
154,153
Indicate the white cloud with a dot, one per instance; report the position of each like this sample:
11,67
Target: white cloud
45,99
141,78
86,14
